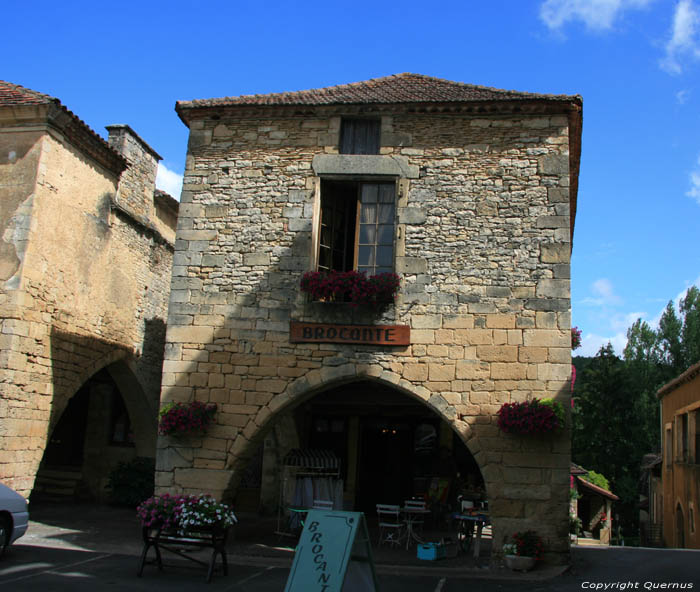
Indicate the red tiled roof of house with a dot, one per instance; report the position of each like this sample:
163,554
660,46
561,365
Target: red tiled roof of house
397,88
14,95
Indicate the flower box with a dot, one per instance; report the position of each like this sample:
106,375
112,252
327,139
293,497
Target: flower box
353,287
523,550
518,563
538,416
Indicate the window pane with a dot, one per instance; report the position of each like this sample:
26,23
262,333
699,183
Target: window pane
325,236
385,234
368,234
383,270
384,255
368,213
324,258
386,214
386,193
369,193
365,255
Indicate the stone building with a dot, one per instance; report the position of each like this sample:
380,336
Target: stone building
469,194
680,469
86,245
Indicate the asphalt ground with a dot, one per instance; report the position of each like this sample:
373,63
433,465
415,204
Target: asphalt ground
96,548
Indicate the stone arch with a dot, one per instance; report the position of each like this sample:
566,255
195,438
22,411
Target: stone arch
120,365
316,382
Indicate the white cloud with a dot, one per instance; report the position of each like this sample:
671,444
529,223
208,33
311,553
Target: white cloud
591,343
694,190
684,39
603,294
597,15
169,181
682,96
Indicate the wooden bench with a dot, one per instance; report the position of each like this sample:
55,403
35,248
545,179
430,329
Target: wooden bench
182,544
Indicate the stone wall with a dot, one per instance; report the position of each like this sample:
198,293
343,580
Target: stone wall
85,286
138,182
483,246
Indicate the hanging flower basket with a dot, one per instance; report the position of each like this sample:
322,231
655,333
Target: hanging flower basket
538,416
185,419
353,287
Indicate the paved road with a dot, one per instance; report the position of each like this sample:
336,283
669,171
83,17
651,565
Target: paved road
42,569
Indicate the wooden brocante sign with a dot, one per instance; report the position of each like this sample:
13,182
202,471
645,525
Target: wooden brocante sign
349,334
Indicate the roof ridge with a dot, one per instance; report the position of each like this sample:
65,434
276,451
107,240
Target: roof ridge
404,87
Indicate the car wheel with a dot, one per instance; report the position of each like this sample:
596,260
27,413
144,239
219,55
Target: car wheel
5,530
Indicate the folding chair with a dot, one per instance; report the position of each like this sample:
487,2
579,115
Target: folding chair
391,528
322,505
414,512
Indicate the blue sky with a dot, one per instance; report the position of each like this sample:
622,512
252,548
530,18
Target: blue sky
635,62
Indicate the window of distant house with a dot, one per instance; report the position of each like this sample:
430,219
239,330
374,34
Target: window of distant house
684,437
357,226
359,136
668,445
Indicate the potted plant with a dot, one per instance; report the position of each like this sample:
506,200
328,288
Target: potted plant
523,551
184,419
537,416
184,513
353,287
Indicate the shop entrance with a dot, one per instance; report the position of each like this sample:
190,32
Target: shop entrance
390,446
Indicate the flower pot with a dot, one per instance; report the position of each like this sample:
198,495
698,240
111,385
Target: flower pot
519,563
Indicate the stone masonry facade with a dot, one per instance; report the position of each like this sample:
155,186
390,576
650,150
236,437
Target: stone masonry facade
483,240
84,276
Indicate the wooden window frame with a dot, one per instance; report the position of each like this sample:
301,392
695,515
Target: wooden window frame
322,263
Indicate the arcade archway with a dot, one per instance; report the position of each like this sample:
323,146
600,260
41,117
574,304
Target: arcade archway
390,447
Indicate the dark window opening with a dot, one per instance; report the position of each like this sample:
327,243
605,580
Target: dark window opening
360,136
121,433
357,227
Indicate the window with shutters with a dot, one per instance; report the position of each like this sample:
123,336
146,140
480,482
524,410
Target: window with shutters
357,226
360,136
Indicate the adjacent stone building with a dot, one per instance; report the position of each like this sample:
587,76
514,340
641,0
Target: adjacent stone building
86,246
680,469
469,194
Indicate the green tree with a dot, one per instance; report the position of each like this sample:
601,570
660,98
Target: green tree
607,416
690,332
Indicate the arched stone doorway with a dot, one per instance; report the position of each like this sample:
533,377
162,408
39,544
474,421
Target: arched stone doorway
108,420
391,445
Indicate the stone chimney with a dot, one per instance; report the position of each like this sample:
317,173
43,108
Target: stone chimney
138,182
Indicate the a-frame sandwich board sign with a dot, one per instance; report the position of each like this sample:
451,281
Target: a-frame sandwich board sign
334,554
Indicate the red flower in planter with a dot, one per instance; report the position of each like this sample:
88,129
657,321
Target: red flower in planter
350,286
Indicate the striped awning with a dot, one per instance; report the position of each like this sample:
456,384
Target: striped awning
312,459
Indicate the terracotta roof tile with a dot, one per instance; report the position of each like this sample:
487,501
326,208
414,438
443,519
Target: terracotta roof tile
397,88
14,94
